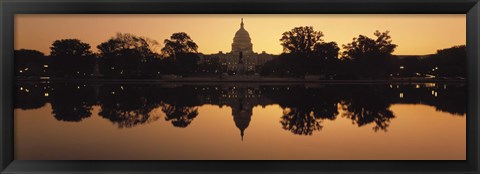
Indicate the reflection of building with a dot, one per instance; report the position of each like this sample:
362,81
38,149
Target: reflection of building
242,115
240,98
241,47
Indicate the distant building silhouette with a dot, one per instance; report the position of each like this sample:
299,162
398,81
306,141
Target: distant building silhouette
242,44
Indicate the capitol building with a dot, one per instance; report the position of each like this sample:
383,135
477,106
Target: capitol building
241,58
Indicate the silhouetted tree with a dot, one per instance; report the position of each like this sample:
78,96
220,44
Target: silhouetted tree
126,54
70,47
29,62
313,55
449,62
326,58
370,56
327,51
180,52
179,43
286,65
71,57
123,42
187,63
300,40
407,66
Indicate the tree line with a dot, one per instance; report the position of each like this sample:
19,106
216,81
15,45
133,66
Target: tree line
304,53
122,56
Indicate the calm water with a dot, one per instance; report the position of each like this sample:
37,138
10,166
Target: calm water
58,121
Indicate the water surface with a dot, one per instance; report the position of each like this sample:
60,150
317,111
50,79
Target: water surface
73,121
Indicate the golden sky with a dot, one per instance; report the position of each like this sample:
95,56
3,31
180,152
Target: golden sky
414,34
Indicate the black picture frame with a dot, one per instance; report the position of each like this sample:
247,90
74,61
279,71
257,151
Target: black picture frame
9,8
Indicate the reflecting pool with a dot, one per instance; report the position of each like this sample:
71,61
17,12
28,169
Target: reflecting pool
240,121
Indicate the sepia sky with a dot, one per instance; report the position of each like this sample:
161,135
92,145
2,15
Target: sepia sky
414,34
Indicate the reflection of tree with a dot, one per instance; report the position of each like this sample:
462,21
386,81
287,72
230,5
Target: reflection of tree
300,121
125,118
71,102
368,105
126,106
29,96
181,116
449,98
304,109
71,111
363,115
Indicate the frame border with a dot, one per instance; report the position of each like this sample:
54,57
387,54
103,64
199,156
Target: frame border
8,9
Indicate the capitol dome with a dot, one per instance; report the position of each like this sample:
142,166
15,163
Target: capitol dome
241,41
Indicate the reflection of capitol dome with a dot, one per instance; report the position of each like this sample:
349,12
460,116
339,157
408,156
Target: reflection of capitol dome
242,116
242,120
242,41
